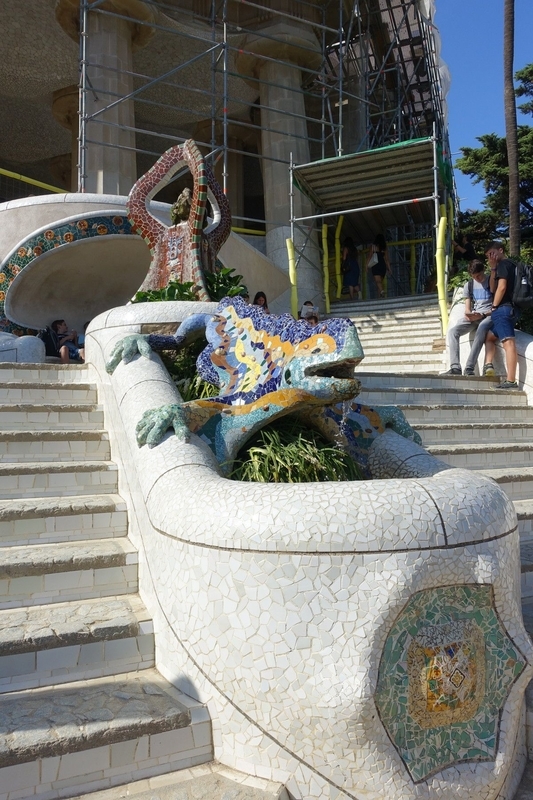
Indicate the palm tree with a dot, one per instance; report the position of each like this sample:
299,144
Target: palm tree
511,133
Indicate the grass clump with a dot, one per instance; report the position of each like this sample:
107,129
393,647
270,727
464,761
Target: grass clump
287,451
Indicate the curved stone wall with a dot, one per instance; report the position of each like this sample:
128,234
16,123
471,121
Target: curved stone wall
351,639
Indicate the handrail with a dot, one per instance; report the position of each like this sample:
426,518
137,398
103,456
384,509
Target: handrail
249,231
31,181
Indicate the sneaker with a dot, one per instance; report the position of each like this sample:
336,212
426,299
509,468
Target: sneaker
469,372
489,371
508,385
453,371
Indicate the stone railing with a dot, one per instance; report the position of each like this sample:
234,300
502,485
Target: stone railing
345,636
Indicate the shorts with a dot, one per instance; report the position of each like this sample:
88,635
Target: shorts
503,319
73,352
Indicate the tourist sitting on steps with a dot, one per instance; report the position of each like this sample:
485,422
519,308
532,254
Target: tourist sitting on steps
478,303
62,343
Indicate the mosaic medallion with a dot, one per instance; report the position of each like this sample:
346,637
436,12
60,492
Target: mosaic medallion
446,671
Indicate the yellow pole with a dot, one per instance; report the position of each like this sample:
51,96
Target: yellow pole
338,273
325,264
292,278
440,257
32,182
412,272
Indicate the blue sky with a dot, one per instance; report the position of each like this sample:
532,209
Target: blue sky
472,46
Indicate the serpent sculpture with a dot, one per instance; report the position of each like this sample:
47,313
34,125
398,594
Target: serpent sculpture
186,249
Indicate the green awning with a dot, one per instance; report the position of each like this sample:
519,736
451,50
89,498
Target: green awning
403,172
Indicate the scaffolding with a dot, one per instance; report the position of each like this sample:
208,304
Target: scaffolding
369,79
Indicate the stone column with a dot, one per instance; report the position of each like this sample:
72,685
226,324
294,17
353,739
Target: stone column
65,110
110,156
284,131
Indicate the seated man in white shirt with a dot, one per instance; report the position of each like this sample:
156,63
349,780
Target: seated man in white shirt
478,304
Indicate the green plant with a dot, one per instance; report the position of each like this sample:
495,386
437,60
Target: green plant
287,451
174,290
223,283
459,279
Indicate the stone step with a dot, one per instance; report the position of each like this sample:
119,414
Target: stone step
405,379
451,412
60,642
211,781
60,445
404,362
475,432
419,395
525,789
62,519
485,456
59,373
47,478
54,573
90,735
408,347
35,416
46,392
526,558
425,304
516,482
524,512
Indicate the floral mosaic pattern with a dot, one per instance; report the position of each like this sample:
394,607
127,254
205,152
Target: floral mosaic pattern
445,674
46,240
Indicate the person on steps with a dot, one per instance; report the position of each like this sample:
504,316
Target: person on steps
379,263
478,304
502,278
350,268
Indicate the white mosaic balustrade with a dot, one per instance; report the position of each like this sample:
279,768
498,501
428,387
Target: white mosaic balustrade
276,604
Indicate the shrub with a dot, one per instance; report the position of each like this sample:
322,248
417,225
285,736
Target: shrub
287,451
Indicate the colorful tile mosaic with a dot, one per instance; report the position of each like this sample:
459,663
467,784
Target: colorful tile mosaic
446,671
47,239
184,251
267,366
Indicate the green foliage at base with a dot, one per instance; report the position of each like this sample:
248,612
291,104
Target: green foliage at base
223,283
181,367
220,283
174,290
286,451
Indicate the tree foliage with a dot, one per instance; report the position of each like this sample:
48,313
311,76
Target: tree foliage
488,165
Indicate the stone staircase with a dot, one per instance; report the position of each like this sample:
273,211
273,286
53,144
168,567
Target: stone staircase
82,707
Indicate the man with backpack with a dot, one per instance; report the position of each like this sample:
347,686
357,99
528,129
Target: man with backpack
502,284
478,303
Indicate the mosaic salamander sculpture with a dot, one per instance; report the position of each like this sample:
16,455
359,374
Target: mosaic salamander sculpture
266,366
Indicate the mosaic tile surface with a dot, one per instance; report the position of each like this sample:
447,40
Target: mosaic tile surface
267,366
183,251
42,242
445,674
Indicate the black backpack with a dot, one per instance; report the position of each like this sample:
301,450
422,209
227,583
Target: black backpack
523,286
51,342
